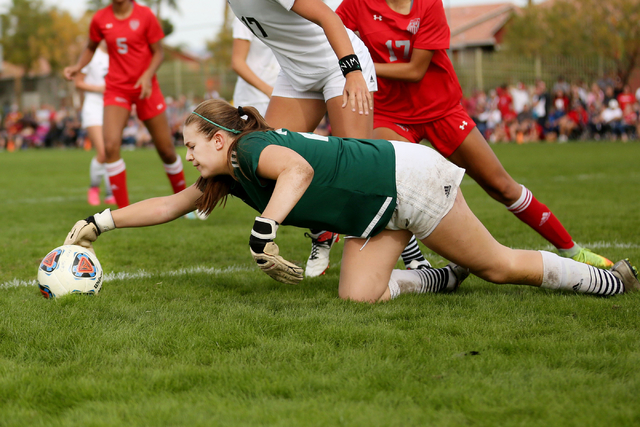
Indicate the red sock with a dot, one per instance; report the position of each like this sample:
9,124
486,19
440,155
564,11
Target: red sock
176,175
537,216
117,173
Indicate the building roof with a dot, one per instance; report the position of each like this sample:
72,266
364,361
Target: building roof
478,25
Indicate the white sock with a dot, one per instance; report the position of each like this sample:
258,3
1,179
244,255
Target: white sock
115,168
420,281
567,274
96,172
174,168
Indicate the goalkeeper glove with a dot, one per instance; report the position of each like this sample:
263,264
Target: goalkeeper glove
266,253
86,231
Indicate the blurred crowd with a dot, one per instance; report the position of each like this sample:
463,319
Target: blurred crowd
50,127
603,110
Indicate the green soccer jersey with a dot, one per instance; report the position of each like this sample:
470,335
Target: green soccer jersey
353,190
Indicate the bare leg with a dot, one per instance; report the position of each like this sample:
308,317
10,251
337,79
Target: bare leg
461,238
481,164
115,120
346,123
298,115
95,136
158,128
367,266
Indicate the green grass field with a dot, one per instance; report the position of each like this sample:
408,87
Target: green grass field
188,332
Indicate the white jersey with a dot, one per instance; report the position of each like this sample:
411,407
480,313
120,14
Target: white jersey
300,46
261,61
93,104
95,71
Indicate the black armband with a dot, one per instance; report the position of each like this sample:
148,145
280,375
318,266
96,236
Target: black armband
349,63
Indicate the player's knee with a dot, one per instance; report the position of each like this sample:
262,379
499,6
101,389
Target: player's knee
503,189
361,293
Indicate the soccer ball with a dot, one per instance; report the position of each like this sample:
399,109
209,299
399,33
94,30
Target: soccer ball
69,269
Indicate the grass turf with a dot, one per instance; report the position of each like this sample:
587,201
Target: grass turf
186,331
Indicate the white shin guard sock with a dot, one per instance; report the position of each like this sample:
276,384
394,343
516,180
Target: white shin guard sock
96,172
419,281
567,274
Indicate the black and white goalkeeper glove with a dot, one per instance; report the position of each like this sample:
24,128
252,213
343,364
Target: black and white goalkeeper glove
266,253
86,231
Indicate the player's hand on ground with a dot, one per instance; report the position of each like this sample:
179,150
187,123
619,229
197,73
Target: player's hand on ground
86,231
356,93
267,254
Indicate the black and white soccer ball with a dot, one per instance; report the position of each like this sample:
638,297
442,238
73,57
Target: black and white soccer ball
69,269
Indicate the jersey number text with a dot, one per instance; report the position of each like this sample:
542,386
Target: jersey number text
405,45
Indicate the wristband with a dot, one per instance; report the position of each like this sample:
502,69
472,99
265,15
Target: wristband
349,63
103,221
264,231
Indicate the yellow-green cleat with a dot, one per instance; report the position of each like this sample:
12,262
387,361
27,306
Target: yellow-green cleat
585,256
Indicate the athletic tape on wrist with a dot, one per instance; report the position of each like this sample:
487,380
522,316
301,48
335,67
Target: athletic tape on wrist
104,221
264,228
349,63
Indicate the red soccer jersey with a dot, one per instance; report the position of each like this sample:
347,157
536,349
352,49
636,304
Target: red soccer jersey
128,43
624,99
391,37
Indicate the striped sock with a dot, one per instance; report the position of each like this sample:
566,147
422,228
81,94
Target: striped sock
567,274
420,281
412,252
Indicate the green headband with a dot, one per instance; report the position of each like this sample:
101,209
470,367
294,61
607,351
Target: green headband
215,124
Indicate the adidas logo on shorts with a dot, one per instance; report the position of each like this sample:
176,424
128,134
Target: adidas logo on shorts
447,190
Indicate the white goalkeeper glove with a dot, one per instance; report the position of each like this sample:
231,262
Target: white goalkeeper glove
266,253
86,231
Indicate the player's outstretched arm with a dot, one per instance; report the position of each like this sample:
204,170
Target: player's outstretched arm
158,210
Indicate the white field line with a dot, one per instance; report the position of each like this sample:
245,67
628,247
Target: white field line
71,197
144,274
212,271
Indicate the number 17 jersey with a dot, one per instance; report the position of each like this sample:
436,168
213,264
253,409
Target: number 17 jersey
391,38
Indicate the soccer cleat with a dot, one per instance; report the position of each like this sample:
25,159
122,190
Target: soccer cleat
585,256
93,196
460,274
110,200
627,274
318,261
417,265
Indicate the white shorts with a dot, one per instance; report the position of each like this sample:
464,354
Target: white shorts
427,185
92,109
323,86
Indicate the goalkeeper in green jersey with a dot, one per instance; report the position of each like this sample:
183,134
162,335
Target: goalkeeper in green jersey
378,193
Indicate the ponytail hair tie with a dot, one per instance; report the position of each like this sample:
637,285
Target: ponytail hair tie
241,111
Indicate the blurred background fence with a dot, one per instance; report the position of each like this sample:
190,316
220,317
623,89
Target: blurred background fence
202,79
484,70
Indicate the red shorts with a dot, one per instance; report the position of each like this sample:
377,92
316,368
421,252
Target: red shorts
145,108
445,134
